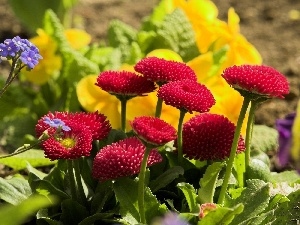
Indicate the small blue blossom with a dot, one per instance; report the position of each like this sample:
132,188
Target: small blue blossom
20,49
56,123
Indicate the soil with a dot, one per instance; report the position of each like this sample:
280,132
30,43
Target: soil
273,27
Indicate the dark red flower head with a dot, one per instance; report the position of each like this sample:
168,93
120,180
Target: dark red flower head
187,95
124,83
260,80
70,144
209,137
153,130
161,71
95,122
122,159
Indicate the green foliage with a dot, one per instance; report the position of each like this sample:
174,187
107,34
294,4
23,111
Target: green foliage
31,12
208,183
34,157
264,138
15,215
190,196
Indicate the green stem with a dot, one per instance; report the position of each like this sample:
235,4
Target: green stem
233,150
158,107
141,187
72,180
80,190
249,132
12,75
179,136
123,114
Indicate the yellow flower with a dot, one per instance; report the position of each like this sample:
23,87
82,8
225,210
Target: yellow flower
51,62
78,38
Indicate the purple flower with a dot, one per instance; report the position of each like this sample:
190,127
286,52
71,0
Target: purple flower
170,219
20,49
56,123
284,127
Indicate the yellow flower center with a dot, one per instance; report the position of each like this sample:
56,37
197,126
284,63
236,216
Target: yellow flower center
68,143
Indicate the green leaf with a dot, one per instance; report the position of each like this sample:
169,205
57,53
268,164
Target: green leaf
75,65
166,178
96,217
72,212
255,199
35,157
221,215
264,138
287,212
176,33
16,215
31,13
102,193
239,168
285,176
190,196
208,182
126,193
14,190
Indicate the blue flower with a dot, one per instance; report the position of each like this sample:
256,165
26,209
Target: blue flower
284,127
20,49
56,123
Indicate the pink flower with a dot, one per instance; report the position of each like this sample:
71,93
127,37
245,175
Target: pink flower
95,122
260,80
153,130
70,144
187,95
124,83
161,71
209,137
122,159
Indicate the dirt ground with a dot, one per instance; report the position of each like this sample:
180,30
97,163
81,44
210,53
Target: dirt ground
266,24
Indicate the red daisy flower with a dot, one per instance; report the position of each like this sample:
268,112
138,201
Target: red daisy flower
153,130
70,144
209,137
260,80
161,71
187,95
122,159
124,83
95,122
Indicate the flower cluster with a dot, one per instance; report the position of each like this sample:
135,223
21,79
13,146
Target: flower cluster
20,49
122,159
71,134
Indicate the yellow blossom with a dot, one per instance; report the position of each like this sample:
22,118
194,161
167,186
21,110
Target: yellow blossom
51,62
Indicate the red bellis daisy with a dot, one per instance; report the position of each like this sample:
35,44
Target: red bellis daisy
153,130
260,80
124,83
95,122
162,71
70,144
122,159
187,95
209,137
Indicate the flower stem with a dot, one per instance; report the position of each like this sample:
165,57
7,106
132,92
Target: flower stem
141,187
249,132
72,180
80,190
123,114
179,136
233,150
158,107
